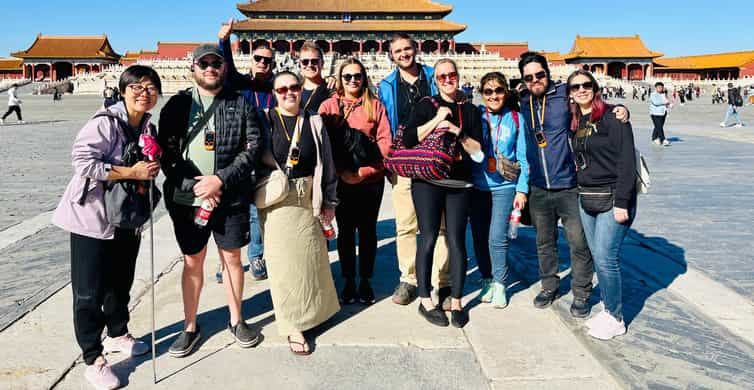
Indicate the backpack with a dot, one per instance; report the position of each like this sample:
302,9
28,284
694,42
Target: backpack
431,159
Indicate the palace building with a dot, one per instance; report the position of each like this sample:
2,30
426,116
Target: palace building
57,57
11,68
625,58
723,66
345,26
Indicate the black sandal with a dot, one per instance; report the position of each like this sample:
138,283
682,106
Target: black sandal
306,348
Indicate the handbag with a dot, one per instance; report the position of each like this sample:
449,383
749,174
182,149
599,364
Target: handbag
508,169
273,189
596,200
430,160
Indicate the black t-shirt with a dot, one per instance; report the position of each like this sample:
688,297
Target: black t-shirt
281,145
409,94
606,157
470,124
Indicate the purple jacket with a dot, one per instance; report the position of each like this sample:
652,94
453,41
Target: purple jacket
97,147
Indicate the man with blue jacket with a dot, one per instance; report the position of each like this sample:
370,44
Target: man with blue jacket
553,193
399,91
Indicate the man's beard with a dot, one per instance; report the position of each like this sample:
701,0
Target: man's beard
210,86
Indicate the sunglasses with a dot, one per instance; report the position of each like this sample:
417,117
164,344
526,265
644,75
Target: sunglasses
538,76
266,60
293,88
138,89
589,86
448,77
356,77
496,91
308,61
215,64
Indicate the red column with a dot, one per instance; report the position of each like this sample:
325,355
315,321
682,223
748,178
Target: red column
453,44
361,46
626,75
439,46
380,47
331,45
52,74
420,45
290,44
33,74
24,71
73,68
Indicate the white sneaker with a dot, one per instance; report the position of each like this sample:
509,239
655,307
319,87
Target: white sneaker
101,376
599,317
666,143
125,344
607,328
2,121
22,122
656,141
722,124
738,125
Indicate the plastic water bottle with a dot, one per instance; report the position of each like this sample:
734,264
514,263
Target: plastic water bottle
329,231
203,214
513,223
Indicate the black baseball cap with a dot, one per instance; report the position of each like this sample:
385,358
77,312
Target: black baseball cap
207,49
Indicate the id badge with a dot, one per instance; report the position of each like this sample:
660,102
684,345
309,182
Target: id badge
491,165
541,139
209,140
295,155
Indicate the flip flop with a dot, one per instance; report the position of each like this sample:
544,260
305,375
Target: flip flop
306,348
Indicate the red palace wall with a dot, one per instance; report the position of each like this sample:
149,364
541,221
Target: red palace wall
11,74
747,70
175,50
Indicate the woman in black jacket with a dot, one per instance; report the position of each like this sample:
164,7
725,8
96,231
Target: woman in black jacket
603,149
449,112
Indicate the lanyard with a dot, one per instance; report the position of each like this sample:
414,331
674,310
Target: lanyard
296,129
497,128
269,97
460,116
541,115
309,100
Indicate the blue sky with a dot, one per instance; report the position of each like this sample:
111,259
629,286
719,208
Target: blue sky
674,27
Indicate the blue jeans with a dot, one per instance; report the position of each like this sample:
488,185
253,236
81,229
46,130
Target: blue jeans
731,111
490,212
605,238
256,248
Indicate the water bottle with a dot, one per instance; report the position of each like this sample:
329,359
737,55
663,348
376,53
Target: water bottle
203,214
328,230
513,223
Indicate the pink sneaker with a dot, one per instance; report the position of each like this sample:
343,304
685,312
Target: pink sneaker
101,376
607,327
125,344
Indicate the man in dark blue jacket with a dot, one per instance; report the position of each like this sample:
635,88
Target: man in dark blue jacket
544,106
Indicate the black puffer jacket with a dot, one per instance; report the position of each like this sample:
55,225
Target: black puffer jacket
238,144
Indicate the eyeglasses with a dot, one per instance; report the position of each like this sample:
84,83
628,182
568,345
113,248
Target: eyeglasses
589,86
293,88
538,76
310,61
266,60
216,64
138,89
448,77
496,91
356,77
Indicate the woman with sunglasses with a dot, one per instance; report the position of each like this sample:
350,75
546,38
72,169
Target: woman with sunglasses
449,112
603,148
355,108
494,195
103,257
298,267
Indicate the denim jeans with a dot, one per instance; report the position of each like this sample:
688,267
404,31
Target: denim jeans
547,206
256,248
605,237
490,213
731,111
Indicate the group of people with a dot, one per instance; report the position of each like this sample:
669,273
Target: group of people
219,141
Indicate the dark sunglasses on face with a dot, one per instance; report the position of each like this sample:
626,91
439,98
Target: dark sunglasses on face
356,77
538,76
138,89
490,91
216,64
312,62
589,86
294,88
452,76
266,60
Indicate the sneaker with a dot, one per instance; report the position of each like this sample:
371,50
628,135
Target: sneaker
185,343
666,143
366,294
404,294
434,316
443,297
245,336
738,125
459,318
590,323
101,376
607,328
722,124
258,268
499,296
485,295
580,307
657,141
545,298
348,294
125,344
22,122
2,121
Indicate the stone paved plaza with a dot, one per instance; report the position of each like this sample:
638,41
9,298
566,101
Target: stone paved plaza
687,268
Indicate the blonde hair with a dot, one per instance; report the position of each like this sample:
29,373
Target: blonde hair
366,91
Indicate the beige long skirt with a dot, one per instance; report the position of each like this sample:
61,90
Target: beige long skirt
298,267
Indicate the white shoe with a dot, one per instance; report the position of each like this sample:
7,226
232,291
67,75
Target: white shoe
607,328
666,143
22,122
2,121
101,376
656,141
125,344
722,124
595,319
738,125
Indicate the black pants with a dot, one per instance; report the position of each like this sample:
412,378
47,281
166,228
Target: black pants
430,201
102,272
659,131
358,209
547,206
17,109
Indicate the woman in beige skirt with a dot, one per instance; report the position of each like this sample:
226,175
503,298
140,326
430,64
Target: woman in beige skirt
301,283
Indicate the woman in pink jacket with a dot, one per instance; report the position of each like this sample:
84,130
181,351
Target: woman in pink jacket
355,118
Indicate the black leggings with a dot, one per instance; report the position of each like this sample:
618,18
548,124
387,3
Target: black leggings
658,132
430,201
102,272
358,209
17,109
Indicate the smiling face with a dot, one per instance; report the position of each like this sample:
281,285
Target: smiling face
579,92
288,93
141,97
535,78
403,53
209,72
493,94
447,78
261,62
352,79
310,63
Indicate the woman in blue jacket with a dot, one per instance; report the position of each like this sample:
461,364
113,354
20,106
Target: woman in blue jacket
497,191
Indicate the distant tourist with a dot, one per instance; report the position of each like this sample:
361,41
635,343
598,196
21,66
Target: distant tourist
110,97
14,105
734,101
603,148
658,110
103,257
212,141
